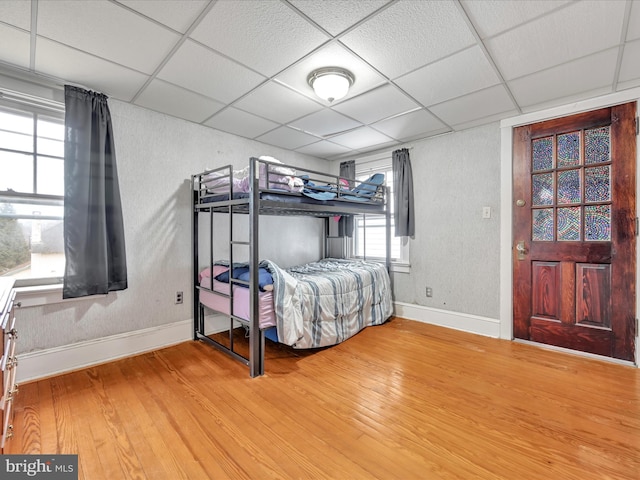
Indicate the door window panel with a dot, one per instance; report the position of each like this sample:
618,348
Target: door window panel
569,190
597,222
597,148
542,154
569,150
569,220
576,201
597,182
543,225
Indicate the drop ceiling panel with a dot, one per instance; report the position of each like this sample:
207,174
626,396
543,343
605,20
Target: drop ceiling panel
633,31
630,67
335,16
60,61
474,106
361,138
15,46
419,68
108,31
325,122
485,120
567,34
411,125
178,15
285,137
277,103
457,75
240,123
323,149
212,75
383,102
408,35
265,36
16,13
166,98
583,75
492,17
332,55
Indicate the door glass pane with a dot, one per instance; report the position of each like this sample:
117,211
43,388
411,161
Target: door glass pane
597,183
543,224
542,154
597,145
542,189
569,149
597,222
569,186
569,224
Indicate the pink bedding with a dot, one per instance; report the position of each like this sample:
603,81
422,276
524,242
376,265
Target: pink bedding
241,307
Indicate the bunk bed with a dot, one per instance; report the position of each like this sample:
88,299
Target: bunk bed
302,306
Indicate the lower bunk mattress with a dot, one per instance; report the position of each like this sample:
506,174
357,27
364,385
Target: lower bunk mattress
218,299
313,305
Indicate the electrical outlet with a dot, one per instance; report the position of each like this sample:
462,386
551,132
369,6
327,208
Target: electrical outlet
178,297
429,292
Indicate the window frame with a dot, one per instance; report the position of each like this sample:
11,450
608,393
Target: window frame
365,168
37,109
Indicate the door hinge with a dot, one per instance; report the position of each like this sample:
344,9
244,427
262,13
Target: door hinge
637,126
637,226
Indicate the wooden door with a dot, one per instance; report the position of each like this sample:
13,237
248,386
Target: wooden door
575,232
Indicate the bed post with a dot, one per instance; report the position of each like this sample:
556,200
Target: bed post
256,366
194,244
387,212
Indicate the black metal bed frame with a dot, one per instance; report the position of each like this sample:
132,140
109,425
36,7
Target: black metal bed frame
254,205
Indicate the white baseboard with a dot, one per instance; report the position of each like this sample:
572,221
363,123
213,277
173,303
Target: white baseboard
54,361
489,327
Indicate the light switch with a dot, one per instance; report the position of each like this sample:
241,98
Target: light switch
486,212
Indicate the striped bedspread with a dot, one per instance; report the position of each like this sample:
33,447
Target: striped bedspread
324,303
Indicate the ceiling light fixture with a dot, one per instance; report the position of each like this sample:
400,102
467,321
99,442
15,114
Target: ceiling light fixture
330,83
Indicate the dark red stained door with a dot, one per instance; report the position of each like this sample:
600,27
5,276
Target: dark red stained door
574,232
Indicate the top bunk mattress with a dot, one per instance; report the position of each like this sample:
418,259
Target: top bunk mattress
291,187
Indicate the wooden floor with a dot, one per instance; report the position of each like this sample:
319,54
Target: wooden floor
404,400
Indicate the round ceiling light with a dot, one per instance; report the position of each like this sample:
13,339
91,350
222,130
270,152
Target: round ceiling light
331,83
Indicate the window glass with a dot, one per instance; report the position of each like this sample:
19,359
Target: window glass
370,234
31,195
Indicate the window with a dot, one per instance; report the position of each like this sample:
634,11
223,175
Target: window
31,194
369,238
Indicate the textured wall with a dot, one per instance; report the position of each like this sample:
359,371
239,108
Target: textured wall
455,251
156,156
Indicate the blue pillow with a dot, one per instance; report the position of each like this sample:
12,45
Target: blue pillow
242,273
224,276
264,277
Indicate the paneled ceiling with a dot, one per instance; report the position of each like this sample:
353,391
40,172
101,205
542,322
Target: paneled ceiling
421,68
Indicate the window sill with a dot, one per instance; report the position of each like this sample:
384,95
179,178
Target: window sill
397,267
43,295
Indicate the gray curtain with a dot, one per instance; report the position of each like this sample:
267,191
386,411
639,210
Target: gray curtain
345,225
403,194
93,227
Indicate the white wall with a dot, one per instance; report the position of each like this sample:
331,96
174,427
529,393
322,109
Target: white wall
156,155
455,251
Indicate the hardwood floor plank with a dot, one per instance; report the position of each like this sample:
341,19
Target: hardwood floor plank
402,400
